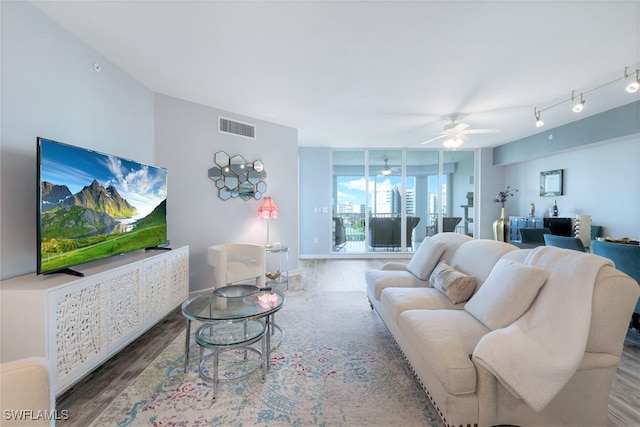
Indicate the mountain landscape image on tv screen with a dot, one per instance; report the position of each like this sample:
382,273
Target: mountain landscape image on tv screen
95,205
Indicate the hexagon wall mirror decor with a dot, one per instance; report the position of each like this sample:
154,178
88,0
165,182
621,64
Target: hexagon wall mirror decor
235,177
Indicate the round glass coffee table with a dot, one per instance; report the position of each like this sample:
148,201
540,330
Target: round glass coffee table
220,311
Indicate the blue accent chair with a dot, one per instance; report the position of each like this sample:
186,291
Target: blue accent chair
564,242
627,259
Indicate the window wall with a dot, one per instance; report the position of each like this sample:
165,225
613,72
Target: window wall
389,200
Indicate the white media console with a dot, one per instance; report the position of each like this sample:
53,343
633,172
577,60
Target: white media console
79,322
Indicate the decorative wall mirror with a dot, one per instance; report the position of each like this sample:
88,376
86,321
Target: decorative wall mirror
235,177
551,183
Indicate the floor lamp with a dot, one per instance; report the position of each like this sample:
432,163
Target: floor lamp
268,210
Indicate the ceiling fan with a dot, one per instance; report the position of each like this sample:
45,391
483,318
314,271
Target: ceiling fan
456,133
387,170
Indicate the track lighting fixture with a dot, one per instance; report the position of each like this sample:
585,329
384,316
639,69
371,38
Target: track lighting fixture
633,87
539,122
577,108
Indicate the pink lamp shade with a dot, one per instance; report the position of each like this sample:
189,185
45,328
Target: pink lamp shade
269,209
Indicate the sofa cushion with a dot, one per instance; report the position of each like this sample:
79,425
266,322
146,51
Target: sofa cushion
518,256
477,257
452,241
377,280
397,300
506,294
426,258
446,339
454,284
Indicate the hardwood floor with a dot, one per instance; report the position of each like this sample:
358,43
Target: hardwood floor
87,399
624,400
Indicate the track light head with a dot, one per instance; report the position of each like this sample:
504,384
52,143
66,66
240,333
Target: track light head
577,108
539,122
634,86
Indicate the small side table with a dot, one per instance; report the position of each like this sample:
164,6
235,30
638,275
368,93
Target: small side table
282,253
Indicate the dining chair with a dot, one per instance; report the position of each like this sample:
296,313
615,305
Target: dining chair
564,242
533,235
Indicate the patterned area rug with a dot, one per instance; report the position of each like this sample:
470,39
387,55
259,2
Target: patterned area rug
336,366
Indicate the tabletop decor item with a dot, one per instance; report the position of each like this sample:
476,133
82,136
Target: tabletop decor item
501,225
273,274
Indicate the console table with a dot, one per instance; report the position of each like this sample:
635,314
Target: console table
518,222
79,322
558,226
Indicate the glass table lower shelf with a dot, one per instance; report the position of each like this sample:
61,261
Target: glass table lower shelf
234,340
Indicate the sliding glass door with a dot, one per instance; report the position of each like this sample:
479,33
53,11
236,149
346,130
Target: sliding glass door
390,200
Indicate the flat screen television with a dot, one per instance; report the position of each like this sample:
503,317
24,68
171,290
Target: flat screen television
93,206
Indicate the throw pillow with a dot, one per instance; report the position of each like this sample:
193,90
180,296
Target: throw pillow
426,258
456,285
507,293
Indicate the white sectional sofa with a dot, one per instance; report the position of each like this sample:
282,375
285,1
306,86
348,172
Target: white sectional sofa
537,343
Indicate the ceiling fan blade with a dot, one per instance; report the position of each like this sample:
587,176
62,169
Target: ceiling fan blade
459,127
434,139
472,131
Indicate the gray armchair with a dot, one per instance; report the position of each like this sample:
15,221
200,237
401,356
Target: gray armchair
340,235
386,232
449,223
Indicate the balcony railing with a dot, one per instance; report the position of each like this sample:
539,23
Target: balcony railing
354,226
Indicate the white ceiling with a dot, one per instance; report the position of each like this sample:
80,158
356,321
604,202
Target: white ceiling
372,73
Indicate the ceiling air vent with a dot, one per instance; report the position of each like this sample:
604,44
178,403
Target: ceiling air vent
237,128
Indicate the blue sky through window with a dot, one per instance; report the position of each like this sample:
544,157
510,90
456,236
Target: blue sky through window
351,189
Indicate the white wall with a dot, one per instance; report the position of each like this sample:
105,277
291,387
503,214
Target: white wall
489,180
187,138
316,238
600,180
50,89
